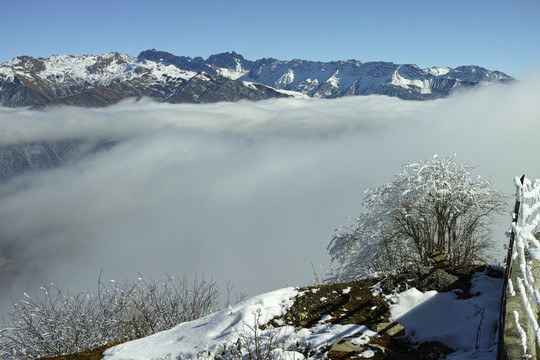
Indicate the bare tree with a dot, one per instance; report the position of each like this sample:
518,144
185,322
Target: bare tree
430,206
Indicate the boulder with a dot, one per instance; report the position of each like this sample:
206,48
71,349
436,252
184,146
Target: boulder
389,328
438,280
342,345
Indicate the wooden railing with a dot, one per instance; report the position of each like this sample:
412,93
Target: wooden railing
519,332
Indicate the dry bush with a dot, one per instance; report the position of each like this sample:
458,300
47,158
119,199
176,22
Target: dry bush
256,342
57,322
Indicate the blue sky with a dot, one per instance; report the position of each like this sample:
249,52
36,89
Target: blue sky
496,34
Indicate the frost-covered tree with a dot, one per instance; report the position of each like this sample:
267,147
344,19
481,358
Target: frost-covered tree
430,206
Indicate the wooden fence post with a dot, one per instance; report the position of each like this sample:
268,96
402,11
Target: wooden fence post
501,347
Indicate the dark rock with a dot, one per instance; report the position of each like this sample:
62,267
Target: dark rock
438,280
399,282
228,60
196,64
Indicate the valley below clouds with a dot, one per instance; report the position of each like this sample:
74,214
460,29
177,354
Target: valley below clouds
248,192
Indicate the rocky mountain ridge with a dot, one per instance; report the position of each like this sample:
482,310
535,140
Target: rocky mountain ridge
337,78
100,80
93,81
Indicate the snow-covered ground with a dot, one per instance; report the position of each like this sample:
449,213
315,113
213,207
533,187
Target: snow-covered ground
469,326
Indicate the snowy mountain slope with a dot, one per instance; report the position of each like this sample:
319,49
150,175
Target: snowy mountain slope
338,78
435,323
87,80
92,81
206,88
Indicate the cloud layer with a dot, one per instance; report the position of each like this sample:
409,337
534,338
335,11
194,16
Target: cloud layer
247,192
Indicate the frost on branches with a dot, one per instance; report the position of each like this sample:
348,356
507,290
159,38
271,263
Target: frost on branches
430,206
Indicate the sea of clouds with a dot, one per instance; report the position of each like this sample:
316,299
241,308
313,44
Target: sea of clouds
248,192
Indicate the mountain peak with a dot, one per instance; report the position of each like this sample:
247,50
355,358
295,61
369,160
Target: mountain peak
225,55
227,60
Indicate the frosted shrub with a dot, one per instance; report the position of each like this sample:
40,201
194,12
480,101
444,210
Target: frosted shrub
430,206
255,343
57,322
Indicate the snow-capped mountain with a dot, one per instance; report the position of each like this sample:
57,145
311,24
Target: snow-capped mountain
99,80
84,80
92,80
337,78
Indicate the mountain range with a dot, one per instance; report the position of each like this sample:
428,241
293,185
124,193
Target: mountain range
101,80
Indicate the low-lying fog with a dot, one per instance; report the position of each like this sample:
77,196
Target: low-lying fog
246,192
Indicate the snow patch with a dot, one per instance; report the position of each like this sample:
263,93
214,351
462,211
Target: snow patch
466,325
208,334
205,338
232,73
438,71
399,80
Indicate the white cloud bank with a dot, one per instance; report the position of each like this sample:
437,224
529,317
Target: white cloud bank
247,192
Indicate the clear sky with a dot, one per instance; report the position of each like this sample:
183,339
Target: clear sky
496,34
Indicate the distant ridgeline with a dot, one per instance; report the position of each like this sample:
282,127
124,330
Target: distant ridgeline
21,158
100,80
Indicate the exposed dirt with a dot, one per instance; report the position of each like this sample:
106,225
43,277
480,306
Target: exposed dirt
346,303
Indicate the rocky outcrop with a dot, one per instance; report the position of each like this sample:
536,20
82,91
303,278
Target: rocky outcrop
438,280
